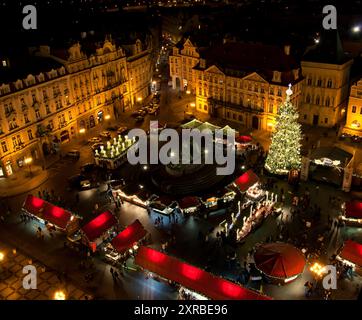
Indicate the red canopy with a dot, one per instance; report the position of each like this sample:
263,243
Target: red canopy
46,211
279,260
352,251
243,139
99,225
246,180
126,239
354,209
193,278
188,202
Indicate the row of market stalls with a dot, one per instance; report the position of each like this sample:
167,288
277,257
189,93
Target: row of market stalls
166,205
352,212
201,285
101,233
351,255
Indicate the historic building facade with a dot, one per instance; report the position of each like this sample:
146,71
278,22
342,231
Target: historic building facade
354,111
42,111
240,82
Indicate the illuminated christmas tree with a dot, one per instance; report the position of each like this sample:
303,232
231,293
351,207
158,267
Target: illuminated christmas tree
284,151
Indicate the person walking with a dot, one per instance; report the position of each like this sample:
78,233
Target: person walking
112,272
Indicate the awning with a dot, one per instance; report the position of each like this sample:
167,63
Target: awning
192,277
243,139
279,260
354,209
208,126
102,223
189,202
46,211
193,124
352,251
245,181
129,236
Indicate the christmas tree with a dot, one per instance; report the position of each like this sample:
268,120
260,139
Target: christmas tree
284,151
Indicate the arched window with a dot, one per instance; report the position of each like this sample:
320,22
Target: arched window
328,102
308,98
317,100
329,83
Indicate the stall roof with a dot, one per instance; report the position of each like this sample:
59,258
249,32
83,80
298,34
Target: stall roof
126,239
193,124
246,180
332,153
279,260
243,139
354,209
352,251
46,211
208,126
99,225
228,128
188,202
192,277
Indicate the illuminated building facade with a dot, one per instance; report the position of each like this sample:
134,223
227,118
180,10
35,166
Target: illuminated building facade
67,94
354,110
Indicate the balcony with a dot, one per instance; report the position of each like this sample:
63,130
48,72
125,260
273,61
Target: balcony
10,112
218,103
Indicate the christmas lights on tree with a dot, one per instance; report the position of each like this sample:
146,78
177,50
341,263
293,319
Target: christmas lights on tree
284,151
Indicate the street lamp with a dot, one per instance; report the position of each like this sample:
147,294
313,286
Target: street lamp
2,258
82,130
356,29
59,295
28,162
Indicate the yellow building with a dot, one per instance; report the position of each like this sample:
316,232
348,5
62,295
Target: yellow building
65,93
354,111
240,82
326,70
184,57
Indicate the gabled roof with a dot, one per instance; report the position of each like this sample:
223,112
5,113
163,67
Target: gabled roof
352,251
246,180
328,50
192,277
99,225
47,211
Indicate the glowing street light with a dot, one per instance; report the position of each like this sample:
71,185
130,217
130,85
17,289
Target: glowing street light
2,256
107,117
59,295
28,162
317,269
82,130
356,29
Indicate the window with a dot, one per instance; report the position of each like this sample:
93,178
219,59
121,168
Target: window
279,92
328,102
228,114
15,142
305,117
309,82
270,107
360,111
240,118
51,124
70,115
319,83
4,146
37,114
308,99
317,100
354,109
30,135
47,109
26,119
329,83
234,116
325,120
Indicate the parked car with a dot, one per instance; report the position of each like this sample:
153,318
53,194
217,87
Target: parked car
95,140
87,168
75,154
96,146
105,134
122,130
140,119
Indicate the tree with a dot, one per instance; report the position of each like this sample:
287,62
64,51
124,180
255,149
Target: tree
284,151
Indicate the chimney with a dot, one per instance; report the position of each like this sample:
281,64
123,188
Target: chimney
287,49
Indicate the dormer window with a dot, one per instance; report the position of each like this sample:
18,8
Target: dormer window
276,76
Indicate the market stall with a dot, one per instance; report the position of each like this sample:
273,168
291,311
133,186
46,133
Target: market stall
351,255
189,204
128,239
352,212
255,219
99,230
192,278
134,194
50,215
280,262
248,180
163,205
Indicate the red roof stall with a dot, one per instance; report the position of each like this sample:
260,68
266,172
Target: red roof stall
352,252
192,277
189,204
246,180
353,210
99,229
243,139
129,236
280,261
54,215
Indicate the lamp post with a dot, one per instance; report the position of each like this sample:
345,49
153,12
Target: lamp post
59,295
28,162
